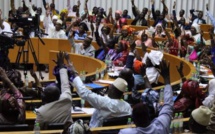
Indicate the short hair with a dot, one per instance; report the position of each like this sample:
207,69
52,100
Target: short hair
196,127
140,115
50,94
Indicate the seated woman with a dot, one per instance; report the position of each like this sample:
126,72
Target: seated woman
172,44
12,106
191,95
126,34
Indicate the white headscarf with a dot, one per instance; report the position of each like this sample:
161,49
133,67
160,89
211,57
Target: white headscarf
197,27
155,57
209,101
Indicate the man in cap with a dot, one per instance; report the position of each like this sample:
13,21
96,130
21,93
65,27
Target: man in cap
199,119
109,106
57,32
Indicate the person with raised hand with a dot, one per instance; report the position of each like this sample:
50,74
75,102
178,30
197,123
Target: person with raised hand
140,112
57,106
109,106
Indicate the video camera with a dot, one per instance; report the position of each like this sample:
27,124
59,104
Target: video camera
26,22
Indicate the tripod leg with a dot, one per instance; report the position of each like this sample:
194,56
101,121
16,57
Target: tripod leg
35,57
21,48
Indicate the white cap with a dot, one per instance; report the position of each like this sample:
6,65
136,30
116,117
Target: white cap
59,22
54,17
120,84
202,115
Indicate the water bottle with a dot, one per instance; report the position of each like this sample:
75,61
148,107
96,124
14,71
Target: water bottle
126,95
175,124
37,128
171,129
26,81
129,123
180,122
161,97
97,74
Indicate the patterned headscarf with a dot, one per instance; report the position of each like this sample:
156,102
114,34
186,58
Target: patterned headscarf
128,28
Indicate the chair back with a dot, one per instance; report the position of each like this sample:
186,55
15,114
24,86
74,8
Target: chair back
116,121
14,127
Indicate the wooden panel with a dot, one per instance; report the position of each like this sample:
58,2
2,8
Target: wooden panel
205,27
129,21
139,28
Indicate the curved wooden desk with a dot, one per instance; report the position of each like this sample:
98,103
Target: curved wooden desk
81,63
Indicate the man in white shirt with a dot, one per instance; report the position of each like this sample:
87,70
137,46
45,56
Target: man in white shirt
107,107
4,26
57,32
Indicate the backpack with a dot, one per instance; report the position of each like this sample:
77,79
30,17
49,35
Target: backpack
78,127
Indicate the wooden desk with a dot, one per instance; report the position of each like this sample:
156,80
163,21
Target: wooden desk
40,101
81,63
30,115
41,51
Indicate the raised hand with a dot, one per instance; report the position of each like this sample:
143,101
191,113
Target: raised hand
72,70
60,59
162,1
153,2
207,7
78,3
0,12
164,71
180,69
174,4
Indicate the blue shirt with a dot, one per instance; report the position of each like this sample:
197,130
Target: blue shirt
161,124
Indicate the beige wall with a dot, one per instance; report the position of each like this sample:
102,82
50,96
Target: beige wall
121,4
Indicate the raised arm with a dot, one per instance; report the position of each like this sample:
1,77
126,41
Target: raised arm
78,9
165,114
16,93
44,4
135,10
210,15
165,8
153,10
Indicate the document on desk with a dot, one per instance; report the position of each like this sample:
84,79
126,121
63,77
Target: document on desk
77,110
207,76
88,110
105,81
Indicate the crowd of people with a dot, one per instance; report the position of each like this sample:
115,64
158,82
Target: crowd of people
117,42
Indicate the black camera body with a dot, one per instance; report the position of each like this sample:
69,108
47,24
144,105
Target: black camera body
26,21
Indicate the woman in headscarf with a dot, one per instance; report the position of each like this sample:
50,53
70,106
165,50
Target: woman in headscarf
126,34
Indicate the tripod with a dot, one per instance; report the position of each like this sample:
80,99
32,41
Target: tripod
26,54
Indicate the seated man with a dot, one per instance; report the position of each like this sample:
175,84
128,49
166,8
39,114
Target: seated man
57,32
85,48
109,106
57,107
12,108
141,116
